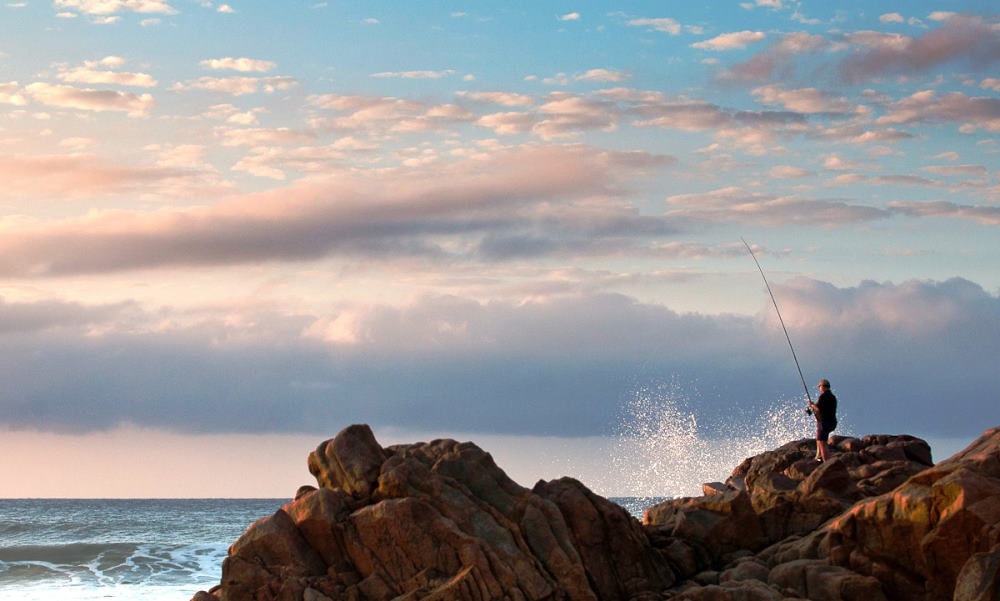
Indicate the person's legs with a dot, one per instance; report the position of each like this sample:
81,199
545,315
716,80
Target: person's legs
819,440
823,448
822,442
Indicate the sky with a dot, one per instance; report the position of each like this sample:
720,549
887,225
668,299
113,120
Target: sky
227,231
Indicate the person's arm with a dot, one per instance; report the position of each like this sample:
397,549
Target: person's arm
815,408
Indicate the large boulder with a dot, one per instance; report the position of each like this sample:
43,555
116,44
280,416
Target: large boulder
439,520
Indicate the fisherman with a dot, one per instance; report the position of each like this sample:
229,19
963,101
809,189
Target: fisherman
825,411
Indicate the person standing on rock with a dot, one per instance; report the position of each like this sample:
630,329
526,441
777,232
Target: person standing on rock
825,411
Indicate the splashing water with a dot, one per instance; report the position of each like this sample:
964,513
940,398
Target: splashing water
661,450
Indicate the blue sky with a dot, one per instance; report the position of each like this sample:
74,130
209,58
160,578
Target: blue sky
500,219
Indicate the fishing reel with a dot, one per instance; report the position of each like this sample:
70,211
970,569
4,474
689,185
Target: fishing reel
809,411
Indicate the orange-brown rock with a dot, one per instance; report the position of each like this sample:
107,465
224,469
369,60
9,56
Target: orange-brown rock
440,520
785,492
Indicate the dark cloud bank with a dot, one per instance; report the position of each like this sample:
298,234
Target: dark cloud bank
912,357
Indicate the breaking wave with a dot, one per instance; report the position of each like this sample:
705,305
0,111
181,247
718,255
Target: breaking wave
661,449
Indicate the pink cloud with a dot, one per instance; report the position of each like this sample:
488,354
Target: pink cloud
961,39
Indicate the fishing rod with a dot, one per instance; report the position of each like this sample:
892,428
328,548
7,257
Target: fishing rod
782,321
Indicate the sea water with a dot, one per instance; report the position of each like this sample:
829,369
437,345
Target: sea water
83,550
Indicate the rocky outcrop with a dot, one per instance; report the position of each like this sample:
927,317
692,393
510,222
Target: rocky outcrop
440,520
782,493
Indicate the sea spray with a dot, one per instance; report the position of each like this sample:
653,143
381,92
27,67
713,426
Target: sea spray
663,449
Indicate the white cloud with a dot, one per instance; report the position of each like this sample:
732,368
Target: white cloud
570,17
664,24
242,64
730,41
990,83
10,93
502,98
110,7
789,172
891,18
835,163
602,75
91,73
225,9
238,86
425,74
804,100
941,15
90,100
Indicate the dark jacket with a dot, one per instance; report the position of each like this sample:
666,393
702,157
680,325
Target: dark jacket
827,405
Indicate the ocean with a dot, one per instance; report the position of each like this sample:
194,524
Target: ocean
127,549
150,549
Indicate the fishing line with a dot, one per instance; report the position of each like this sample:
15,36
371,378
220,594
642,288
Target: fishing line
780,320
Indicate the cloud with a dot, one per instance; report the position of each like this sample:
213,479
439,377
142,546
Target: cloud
558,366
414,74
242,64
602,75
570,17
973,112
385,114
52,315
962,40
501,98
564,115
956,170
534,189
835,163
804,100
87,99
985,215
891,18
789,172
777,60
664,24
238,86
91,73
730,41
79,175
736,205
262,136
508,123
110,7
10,93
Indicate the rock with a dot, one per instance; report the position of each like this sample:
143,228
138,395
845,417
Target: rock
440,520
979,579
818,581
616,552
350,461
714,488
917,538
718,524
789,493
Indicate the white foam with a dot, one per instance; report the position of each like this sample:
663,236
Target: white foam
663,450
